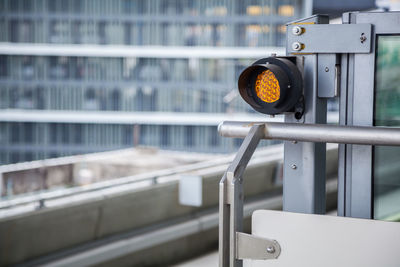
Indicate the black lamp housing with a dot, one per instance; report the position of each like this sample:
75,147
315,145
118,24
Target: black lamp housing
290,82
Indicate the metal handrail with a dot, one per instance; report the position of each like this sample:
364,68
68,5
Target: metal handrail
323,133
231,184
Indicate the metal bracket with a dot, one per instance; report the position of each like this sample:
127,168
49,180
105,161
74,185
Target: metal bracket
328,38
231,206
256,248
328,75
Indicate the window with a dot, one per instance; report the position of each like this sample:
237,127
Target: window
189,136
214,136
386,170
3,66
76,32
102,32
28,133
114,100
59,68
164,138
127,135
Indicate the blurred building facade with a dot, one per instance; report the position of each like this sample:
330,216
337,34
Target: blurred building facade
76,67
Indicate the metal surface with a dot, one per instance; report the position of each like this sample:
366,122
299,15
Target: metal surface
328,73
357,105
296,46
256,248
297,30
304,186
329,241
322,133
231,199
345,118
333,38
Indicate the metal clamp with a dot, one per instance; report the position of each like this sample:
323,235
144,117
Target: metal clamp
328,38
234,245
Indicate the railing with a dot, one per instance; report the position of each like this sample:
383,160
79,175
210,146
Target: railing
150,177
323,133
232,250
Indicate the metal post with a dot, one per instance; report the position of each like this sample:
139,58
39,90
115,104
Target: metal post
231,199
304,163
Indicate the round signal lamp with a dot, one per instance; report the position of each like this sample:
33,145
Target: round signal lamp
273,85
267,87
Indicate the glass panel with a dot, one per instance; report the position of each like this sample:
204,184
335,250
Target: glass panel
387,113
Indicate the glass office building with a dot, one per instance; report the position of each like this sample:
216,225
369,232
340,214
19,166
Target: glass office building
79,76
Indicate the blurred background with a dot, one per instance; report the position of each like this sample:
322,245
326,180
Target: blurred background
108,122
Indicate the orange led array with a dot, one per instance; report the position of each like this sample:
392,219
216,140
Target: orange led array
267,87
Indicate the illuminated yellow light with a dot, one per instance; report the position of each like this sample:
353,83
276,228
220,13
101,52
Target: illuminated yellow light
267,87
254,10
282,28
253,28
265,28
286,10
266,10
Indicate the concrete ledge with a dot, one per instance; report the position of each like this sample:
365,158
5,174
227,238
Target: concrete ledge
77,221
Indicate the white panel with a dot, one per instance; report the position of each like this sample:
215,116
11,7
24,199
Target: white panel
190,190
321,240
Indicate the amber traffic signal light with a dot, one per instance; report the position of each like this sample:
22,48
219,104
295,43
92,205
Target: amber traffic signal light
273,85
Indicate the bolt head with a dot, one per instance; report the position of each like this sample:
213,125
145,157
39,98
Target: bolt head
293,166
296,46
363,38
326,69
271,249
297,30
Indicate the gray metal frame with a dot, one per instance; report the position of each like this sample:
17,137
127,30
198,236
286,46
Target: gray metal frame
231,204
301,159
355,161
304,162
234,245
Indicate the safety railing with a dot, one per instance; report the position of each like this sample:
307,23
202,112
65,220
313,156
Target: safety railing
233,244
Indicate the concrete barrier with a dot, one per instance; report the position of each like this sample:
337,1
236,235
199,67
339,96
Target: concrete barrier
79,220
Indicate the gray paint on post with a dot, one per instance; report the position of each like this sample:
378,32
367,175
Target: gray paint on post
304,162
355,161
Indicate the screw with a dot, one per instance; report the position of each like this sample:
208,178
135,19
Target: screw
296,30
326,69
363,38
271,249
272,116
293,166
288,86
296,46
294,142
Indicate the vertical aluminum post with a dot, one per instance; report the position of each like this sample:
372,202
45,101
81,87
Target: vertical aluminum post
231,199
304,162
